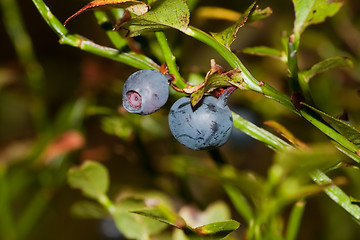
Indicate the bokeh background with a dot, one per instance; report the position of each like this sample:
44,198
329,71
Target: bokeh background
43,86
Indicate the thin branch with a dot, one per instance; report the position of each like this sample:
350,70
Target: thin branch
132,59
170,59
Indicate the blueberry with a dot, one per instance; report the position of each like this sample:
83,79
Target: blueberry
145,92
205,127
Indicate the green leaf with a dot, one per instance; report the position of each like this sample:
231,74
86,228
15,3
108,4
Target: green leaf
265,51
305,76
87,209
196,96
239,201
217,80
163,14
91,178
308,12
162,214
259,133
136,7
354,156
295,218
218,230
135,226
212,82
352,134
227,36
325,66
336,194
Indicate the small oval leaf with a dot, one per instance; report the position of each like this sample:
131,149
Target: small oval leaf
92,178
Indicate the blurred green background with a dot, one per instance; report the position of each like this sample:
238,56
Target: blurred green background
60,106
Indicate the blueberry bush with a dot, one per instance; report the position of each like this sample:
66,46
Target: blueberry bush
180,119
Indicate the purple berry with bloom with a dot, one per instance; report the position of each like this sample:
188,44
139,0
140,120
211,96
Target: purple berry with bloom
145,92
206,126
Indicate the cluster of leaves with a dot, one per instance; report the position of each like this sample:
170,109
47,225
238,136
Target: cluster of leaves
136,216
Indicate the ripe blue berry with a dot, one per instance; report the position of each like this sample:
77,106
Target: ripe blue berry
205,127
145,92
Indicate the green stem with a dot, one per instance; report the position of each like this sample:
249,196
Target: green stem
107,204
169,59
106,24
132,59
305,89
293,68
295,220
297,82
50,19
